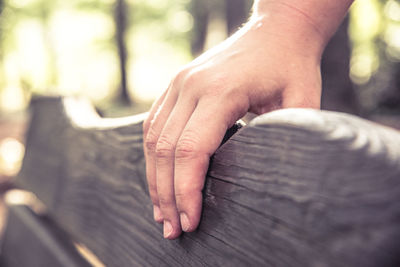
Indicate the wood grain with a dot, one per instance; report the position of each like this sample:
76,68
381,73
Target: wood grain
32,240
295,187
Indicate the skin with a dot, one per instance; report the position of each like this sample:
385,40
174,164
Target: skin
272,62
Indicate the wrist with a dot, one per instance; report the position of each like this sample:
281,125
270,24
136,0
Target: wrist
291,33
311,23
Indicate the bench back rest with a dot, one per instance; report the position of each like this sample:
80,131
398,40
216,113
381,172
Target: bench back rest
295,187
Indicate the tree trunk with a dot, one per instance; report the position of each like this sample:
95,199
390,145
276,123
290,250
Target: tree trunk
236,12
200,12
121,25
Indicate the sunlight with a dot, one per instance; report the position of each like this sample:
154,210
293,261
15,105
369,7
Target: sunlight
363,64
392,35
158,4
217,32
84,65
19,197
21,3
392,10
12,98
74,54
365,26
11,153
366,20
181,21
33,58
154,65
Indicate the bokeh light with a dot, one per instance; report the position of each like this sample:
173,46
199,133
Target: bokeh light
11,154
69,48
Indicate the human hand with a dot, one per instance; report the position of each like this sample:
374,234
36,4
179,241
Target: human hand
271,63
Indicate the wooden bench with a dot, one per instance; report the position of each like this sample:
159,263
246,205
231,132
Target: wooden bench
295,187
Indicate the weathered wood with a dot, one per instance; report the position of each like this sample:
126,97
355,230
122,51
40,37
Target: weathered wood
295,187
34,241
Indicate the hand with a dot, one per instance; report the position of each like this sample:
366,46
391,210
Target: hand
271,63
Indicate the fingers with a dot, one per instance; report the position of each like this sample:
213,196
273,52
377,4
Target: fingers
178,144
165,155
151,130
198,141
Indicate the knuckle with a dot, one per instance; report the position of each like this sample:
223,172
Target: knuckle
164,148
183,193
191,80
181,76
166,201
151,140
154,196
197,79
187,147
187,78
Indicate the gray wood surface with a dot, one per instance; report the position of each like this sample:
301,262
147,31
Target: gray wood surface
295,187
34,241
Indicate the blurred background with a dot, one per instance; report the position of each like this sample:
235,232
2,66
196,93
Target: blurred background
122,54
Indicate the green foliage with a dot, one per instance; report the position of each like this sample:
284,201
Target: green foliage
152,24
375,31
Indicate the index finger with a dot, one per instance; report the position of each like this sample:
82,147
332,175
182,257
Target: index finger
199,140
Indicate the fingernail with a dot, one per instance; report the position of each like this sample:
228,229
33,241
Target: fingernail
167,229
157,214
185,223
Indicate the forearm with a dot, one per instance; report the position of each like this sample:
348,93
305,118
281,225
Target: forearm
313,20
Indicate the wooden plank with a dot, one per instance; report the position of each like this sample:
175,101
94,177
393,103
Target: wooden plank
34,241
296,187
